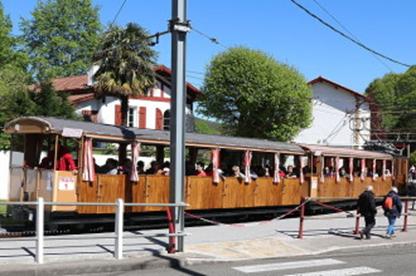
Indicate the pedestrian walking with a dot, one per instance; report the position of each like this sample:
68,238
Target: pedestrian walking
366,207
392,206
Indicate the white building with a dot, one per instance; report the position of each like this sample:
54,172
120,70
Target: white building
341,116
148,111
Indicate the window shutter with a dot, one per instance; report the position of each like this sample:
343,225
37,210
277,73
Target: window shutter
159,119
142,117
117,115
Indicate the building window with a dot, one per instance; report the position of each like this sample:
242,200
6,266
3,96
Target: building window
166,120
131,117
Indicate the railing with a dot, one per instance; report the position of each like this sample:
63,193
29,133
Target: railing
119,221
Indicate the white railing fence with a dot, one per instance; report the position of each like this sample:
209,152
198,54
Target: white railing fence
119,221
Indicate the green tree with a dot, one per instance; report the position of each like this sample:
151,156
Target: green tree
61,37
8,43
126,64
253,95
14,97
6,40
393,100
206,127
50,103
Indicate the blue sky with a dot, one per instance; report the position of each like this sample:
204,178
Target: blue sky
280,29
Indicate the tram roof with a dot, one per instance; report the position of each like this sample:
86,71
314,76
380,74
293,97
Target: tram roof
52,125
344,152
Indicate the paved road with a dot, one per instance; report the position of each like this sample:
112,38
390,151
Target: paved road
397,260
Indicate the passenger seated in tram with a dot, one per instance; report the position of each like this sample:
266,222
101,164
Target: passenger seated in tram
237,173
154,167
165,168
290,172
387,172
329,171
343,172
140,167
125,168
200,169
47,161
65,160
110,167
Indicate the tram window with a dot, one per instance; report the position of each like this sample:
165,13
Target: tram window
262,163
379,167
388,171
357,167
17,150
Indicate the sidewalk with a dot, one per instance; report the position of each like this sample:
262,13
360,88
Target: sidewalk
94,252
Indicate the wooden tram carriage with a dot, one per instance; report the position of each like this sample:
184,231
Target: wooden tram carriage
28,181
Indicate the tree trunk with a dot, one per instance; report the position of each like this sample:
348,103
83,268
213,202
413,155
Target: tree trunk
124,110
122,151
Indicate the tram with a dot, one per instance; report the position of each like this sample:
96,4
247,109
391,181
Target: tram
39,146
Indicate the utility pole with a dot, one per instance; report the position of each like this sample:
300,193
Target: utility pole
179,27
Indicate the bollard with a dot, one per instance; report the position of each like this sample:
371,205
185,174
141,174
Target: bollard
406,211
357,224
171,225
118,247
39,230
301,218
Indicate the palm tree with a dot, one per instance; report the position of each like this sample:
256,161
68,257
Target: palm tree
126,63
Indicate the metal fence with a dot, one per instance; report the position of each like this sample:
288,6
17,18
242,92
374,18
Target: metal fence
119,221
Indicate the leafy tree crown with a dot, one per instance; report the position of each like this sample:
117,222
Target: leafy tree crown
253,95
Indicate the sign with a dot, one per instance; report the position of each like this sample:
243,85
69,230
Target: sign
67,183
72,132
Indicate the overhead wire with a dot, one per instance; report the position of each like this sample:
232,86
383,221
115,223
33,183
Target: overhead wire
118,12
350,33
210,38
348,37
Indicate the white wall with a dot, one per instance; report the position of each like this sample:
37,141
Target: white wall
333,114
106,110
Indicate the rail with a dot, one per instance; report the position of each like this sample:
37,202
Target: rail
119,222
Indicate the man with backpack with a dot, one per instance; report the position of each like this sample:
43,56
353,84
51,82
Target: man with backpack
392,206
366,206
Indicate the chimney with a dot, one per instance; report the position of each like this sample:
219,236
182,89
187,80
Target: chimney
91,72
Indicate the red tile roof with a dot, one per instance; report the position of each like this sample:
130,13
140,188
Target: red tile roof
70,83
79,98
79,83
336,85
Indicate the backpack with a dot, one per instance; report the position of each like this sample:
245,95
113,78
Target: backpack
388,203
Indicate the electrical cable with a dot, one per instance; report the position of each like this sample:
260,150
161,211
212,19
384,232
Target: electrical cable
350,33
358,43
210,38
118,12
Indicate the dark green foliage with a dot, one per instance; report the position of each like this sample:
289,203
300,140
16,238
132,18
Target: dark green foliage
61,37
412,160
50,103
253,95
126,64
394,96
16,100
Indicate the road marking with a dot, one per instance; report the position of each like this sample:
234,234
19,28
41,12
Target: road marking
287,265
360,270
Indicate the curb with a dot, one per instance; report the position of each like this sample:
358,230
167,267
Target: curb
180,260
93,266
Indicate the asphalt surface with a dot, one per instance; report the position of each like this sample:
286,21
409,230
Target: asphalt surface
389,260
